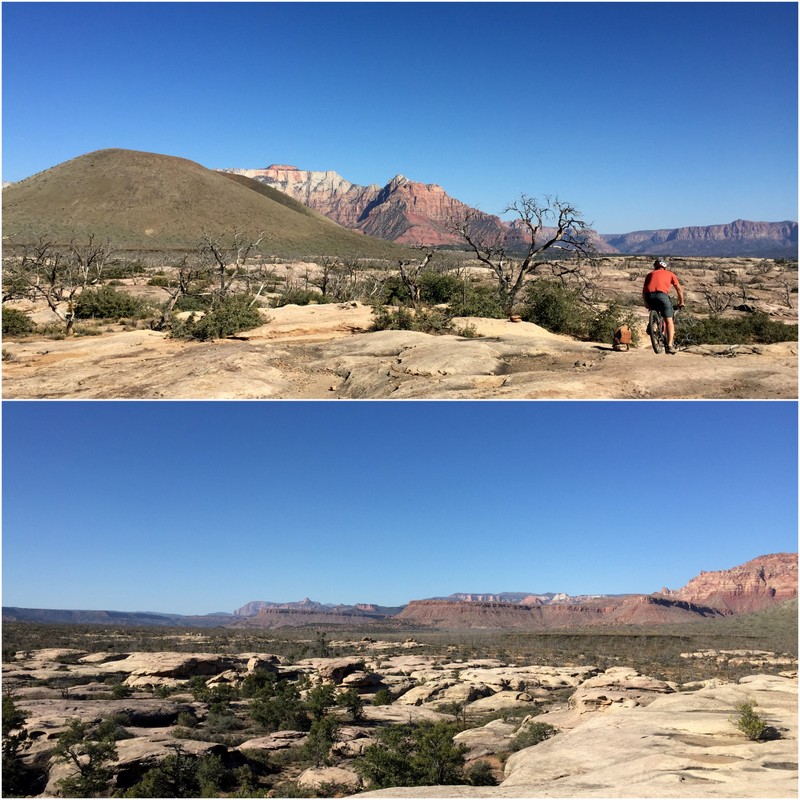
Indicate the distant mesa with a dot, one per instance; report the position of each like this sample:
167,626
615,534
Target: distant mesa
760,584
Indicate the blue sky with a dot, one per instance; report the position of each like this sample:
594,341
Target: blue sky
202,507
643,115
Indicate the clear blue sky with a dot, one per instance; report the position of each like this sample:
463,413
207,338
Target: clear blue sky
203,507
643,115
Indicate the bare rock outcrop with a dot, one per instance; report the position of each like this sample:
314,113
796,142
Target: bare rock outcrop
618,687
680,745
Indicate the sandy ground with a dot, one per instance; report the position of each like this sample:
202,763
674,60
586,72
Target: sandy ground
325,352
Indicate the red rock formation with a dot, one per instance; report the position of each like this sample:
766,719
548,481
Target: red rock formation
402,211
760,583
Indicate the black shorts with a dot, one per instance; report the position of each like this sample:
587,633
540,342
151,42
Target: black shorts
659,301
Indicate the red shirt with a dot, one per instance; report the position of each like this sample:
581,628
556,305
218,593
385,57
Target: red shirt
660,280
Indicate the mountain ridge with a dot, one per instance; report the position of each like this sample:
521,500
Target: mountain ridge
412,212
758,584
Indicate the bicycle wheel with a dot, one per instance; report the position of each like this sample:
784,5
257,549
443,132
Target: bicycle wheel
656,332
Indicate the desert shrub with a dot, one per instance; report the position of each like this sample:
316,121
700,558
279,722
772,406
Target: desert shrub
15,739
175,776
320,699
80,747
382,697
221,719
402,319
755,328
320,739
230,316
108,303
604,325
119,691
476,300
531,734
749,722
186,720
113,728
388,319
184,775
439,287
555,307
393,292
413,755
277,706
299,297
193,302
480,774
351,700
16,322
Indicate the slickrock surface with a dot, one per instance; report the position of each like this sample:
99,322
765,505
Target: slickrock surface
323,352
621,733
680,745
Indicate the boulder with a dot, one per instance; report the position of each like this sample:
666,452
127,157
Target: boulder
501,701
332,669
618,687
317,777
279,740
494,737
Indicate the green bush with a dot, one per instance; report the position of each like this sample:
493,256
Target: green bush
439,287
414,755
382,697
403,319
531,734
749,722
233,314
108,303
755,328
193,302
277,706
321,737
299,297
15,740
605,324
556,307
351,700
480,774
475,300
16,322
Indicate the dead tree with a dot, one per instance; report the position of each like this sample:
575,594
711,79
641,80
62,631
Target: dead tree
228,257
188,278
89,258
543,226
718,301
410,272
56,274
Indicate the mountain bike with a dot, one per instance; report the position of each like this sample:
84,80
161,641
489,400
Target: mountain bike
657,328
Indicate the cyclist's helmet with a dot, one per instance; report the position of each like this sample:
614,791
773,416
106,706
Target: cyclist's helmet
659,263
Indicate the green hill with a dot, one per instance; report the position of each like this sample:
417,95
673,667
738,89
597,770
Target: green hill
150,201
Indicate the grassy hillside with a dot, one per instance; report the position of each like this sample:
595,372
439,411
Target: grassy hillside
145,200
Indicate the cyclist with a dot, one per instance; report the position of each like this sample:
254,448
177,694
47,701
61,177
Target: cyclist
655,294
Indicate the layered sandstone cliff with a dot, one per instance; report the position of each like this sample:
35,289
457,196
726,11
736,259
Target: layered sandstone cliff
758,584
402,211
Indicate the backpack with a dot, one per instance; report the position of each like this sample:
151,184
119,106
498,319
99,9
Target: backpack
623,336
